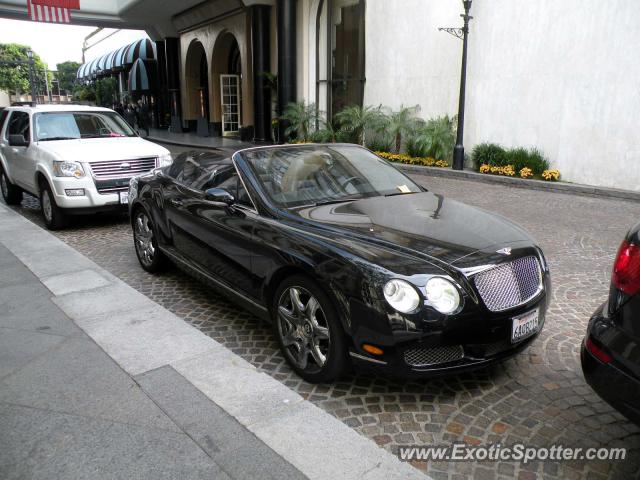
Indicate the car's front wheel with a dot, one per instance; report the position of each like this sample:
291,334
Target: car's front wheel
144,238
54,216
309,330
11,193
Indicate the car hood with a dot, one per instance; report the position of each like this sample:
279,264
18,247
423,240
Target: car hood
100,149
423,225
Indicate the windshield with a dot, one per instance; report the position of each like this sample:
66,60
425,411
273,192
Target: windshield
316,174
72,125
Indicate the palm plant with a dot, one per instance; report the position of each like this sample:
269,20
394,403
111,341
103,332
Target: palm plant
402,123
437,138
301,118
357,120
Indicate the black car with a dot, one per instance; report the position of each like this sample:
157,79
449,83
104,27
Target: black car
350,258
610,352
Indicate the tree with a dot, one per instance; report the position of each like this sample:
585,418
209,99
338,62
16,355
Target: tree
357,120
67,72
402,123
16,77
301,118
437,138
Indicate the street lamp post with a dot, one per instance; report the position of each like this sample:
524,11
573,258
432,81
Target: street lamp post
32,77
458,150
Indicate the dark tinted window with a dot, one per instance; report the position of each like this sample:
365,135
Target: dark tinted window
202,171
198,169
19,124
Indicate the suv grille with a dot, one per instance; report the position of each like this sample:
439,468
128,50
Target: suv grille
422,357
510,284
122,168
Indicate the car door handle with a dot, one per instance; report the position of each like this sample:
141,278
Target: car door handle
176,202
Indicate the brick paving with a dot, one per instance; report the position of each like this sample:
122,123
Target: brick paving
538,398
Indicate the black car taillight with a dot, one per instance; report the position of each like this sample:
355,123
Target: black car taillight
626,269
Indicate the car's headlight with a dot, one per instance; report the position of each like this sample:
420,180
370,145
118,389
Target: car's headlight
401,295
165,160
442,295
68,169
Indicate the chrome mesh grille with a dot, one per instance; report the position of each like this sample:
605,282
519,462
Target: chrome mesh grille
510,284
422,357
122,168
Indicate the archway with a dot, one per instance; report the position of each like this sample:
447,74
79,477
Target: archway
227,85
197,83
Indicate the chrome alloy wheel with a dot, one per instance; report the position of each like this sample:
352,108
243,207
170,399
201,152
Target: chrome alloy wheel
143,236
303,328
47,209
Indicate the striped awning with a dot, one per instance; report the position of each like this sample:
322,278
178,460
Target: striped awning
118,60
142,77
141,49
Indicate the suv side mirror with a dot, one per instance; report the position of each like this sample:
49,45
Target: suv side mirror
219,196
18,141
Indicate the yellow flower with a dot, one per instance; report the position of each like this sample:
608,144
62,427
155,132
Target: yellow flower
526,172
508,170
551,175
484,168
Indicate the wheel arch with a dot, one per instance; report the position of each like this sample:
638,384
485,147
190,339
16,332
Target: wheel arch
284,272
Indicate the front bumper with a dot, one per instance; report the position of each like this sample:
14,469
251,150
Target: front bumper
456,350
611,381
92,200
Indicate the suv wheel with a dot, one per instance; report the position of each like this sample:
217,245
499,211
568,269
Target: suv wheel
12,194
54,216
309,330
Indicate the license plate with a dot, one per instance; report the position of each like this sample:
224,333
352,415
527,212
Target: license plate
124,197
524,326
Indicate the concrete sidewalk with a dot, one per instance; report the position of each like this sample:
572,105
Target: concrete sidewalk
67,410
98,381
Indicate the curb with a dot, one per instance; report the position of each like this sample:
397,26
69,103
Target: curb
141,336
559,187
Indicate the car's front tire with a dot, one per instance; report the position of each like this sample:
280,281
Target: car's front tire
11,193
146,243
309,331
54,216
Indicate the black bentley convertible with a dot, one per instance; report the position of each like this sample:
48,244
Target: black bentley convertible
351,260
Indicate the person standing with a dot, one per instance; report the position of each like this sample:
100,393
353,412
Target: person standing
143,116
130,116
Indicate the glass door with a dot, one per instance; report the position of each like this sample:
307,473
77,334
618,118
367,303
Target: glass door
230,95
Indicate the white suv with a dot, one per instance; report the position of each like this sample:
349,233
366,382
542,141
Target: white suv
76,159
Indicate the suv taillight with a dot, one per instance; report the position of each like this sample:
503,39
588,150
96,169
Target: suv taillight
626,269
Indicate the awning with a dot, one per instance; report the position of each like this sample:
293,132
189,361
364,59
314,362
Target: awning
141,49
117,63
142,77
118,60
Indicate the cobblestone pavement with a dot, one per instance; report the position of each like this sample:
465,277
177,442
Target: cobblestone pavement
538,398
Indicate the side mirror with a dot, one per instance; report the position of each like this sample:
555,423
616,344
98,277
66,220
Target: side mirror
220,196
18,141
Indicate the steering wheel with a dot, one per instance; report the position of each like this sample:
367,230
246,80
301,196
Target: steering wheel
351,180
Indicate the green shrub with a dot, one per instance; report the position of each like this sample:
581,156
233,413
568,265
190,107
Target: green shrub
518,158
488,154
537,161
413,150
522,157
379,141
436,138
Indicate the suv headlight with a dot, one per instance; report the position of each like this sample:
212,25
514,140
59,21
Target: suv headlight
401,295
68,169
442,295
165,160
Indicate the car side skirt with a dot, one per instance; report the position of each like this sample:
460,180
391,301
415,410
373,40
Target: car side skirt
240,298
